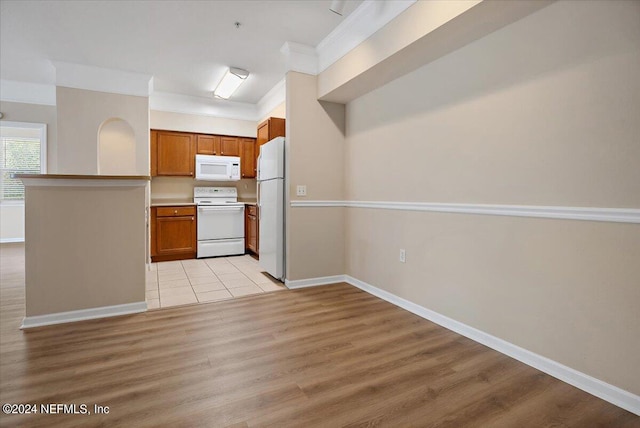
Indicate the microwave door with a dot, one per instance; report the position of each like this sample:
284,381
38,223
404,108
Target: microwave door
214,169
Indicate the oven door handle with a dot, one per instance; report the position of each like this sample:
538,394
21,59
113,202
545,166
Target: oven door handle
221,208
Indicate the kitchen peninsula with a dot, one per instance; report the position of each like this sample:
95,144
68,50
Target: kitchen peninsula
85,246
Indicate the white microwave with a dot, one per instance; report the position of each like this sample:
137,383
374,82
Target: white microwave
217,168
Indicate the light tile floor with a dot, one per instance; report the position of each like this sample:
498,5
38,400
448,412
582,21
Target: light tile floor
206,280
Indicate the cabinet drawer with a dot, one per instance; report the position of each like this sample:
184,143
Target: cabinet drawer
175,211
252,210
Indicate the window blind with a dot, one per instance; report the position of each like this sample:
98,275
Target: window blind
17,156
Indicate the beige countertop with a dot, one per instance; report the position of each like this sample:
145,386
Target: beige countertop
171,202
164,202
84,177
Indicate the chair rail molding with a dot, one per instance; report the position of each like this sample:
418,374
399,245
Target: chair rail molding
617,215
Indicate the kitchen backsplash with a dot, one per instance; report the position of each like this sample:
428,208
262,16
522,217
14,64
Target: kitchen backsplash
182,188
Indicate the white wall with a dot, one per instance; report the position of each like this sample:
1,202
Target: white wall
35,113
11,222
12,213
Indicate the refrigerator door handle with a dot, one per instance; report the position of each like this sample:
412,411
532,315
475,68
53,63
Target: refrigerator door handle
258,166
258,198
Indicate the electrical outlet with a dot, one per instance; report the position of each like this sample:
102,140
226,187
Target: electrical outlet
403,256
301,190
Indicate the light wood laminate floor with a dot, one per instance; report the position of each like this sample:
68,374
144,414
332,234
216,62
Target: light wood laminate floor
327,356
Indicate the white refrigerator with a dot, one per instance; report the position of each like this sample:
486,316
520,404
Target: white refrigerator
271,207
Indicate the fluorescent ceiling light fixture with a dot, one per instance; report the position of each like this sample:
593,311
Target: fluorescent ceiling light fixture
232,79
337,6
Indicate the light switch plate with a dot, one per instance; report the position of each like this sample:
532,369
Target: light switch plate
301,190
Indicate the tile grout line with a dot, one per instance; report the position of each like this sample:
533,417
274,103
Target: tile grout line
190,284
227,263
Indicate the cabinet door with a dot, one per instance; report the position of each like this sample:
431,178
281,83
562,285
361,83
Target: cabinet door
276,127
253,234
154,152
268,130
251,229
248,157
246,227
175,235
229,146
257,250
176,153
263,134
208,144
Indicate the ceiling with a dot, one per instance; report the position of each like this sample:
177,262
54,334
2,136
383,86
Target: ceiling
185,45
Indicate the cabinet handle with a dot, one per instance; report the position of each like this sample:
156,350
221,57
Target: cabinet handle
175,211
193,218
191,173
221,153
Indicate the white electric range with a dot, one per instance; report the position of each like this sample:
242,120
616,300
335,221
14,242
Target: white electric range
220,221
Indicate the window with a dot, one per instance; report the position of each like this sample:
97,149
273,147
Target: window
22,151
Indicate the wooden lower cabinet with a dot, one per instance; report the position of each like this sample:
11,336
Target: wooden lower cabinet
173,233
251,229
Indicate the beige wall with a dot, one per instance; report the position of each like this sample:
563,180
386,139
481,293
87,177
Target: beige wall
538,113
35,113
80,115
280,111
417,21
202,124
85,248
314,153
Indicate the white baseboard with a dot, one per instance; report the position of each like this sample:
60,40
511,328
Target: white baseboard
10,240
593,386
83,314
312,282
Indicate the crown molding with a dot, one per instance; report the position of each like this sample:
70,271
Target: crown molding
177,103
300,58
28,93
272,99
368,18
103,79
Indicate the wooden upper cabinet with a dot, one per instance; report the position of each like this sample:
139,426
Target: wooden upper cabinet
229,146
263,134
270,129
175,153
218,145
208,144
248,157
